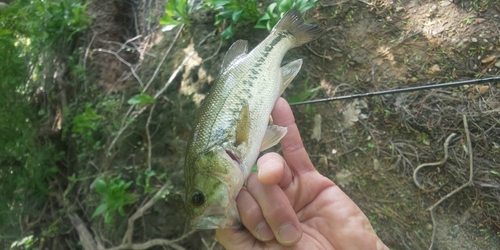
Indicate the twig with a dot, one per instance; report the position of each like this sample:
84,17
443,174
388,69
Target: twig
164,57
174,74
149,135
86,239
87,50
441,162
215,53
151,243
434,226
124,62
123,126
125,46
468,183
329,58
127,238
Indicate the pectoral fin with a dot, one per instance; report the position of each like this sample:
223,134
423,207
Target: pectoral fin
273,135
239,48
288,72
243,126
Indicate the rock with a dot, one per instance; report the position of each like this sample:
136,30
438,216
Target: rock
316,134
474,40
497,64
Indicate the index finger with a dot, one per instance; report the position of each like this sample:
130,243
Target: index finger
293,149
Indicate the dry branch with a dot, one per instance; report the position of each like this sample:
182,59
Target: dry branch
468,183
441,162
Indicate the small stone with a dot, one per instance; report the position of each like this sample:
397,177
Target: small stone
497,64
474,40
444,3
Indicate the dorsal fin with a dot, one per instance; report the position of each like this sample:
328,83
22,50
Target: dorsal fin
288,72
236,50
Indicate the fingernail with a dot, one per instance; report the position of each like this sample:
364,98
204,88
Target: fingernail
288,233
264,232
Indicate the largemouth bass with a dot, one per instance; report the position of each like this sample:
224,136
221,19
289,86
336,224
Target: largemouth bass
232,125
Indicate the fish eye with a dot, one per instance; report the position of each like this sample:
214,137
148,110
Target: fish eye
198,198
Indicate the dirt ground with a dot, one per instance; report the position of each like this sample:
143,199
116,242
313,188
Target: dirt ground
370,146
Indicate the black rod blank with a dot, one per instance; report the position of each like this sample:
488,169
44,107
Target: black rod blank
394,91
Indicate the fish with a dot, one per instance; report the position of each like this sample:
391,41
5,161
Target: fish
232,125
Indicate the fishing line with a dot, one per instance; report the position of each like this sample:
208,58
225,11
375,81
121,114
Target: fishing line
394,91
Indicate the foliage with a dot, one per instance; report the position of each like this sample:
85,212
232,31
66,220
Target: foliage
114,197
32,32
236,12
276,10
232,14
86,122
146,186
141,99
176,13
306,94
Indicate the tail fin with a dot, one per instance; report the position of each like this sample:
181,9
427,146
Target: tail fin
293,23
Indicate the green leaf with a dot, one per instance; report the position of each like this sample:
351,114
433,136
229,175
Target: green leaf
99,210
236,15
303,96
141,100
228,33
100,186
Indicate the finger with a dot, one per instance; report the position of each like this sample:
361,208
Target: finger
273,170
252,217
277,211
293,148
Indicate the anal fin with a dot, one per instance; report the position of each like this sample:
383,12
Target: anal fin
288,72
274,134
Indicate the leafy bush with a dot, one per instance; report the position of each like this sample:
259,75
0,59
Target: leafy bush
276,10
114,197
234,13
32,32
176,12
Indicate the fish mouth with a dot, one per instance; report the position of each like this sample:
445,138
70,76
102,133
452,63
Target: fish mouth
217,217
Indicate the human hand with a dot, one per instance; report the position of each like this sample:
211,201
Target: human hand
289,205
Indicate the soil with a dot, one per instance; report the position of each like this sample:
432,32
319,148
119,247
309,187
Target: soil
369,146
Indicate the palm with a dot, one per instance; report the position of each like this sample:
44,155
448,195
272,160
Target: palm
290,191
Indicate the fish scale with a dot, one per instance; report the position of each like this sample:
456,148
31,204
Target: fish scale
232,125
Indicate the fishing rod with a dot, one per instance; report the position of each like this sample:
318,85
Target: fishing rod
394,91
